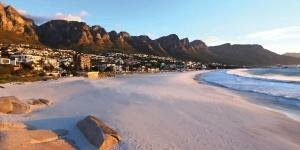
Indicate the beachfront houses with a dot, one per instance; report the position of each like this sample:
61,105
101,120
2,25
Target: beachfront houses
70,62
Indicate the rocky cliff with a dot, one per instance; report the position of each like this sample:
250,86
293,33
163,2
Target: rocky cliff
12,22
61,33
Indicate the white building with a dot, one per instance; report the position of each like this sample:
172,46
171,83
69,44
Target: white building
14,62
4,61
26,58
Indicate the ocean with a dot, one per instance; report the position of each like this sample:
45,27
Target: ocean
274,88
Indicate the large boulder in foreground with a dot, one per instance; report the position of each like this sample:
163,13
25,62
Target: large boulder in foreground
98,133
17,136
12,105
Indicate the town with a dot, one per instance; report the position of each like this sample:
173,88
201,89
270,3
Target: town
29,60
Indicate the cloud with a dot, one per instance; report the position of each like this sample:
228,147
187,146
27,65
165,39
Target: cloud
58,16
152,35
83,13
213,40
22,11
279,40
71,17
290,32
37,19
68,17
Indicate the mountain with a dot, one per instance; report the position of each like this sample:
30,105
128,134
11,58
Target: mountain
295,55
14,27
61,33
183,49
249,55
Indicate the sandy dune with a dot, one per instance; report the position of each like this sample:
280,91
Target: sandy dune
161,111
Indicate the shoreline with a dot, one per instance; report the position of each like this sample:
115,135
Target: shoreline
254,98
261,99
158,111
274,78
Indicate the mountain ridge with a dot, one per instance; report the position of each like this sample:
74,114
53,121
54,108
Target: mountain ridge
61,33
295,55
82,37
250,54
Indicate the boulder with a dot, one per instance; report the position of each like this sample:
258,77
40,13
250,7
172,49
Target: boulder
6,105
13,105
98,133
20,107
7,125
42,136
39,102
15,136
61,132
53,145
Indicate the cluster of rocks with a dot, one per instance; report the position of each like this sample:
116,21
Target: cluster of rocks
12,105
16,135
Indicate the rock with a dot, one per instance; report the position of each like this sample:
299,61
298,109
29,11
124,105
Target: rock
98,133
53,145
16,136
6,106
6,125
40,102
42,136
20,107
13,105
45,101
32,140
61,132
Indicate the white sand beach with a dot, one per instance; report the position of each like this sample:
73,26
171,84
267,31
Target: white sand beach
159,111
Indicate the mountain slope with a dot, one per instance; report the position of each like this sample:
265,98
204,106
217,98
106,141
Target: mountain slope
18,27
295,55
249,55
61,33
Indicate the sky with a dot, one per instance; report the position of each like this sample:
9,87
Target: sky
275,24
